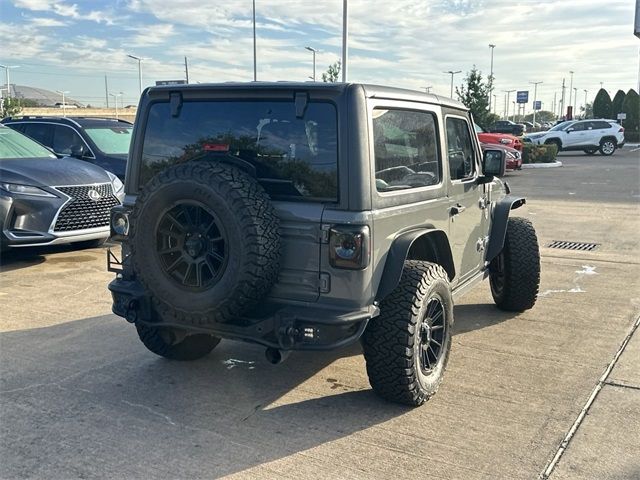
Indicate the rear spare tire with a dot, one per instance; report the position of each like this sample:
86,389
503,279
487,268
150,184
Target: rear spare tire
204,242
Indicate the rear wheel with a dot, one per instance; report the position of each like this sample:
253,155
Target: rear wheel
514,275
175,344
407,346
607,146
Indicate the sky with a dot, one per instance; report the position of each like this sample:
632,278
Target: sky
71,45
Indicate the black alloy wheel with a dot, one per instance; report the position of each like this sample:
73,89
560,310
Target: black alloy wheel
433,335
192,245
497,278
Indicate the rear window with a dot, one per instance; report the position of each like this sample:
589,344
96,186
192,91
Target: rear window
294,158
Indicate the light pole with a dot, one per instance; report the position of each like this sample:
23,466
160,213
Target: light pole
345,30
255,56
514,110
495,97
64,105
452,73
491,46
6,69
139,70
115,100
585,101
575,100
313,50
535,93
508,92
570,88
428,89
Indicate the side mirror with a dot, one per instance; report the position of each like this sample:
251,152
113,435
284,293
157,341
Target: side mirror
77,151
570,129
494,163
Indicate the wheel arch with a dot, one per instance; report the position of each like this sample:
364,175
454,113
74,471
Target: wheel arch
431,245
609,137
500,218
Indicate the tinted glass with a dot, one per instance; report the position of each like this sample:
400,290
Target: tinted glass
64,139
406,149
40,132
112,141
459,149
15,145
293,157
579,126
561,126
601,125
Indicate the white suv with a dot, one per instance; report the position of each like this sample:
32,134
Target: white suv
586,135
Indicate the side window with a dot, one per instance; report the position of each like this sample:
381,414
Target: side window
601,125
459,149
579,126
64,139
40,132
406,149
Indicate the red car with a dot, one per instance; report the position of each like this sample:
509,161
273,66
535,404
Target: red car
498,138
513,156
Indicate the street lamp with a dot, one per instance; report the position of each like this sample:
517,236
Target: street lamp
255,57
506,104
428,89
139,70
345,35
575,100
535,93
452,73
64,105
6,69
570,87
491,46
314,51
115,100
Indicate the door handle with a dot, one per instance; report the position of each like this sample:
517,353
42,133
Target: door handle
457,209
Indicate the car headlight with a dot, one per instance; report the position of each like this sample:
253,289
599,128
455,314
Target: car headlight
25,190
505,140
116,183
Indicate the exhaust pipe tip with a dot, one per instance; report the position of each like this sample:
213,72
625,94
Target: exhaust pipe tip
276,356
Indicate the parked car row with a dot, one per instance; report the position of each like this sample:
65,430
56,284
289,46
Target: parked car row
49,198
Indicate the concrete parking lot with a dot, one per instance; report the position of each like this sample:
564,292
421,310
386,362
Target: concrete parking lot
80,397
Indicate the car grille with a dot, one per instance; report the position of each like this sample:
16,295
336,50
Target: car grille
82,211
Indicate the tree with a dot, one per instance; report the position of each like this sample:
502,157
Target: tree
631,106
587,110
10,107
474,94
541,116
602,104
332,73
616,105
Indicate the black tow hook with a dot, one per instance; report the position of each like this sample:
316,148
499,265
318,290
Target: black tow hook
275,355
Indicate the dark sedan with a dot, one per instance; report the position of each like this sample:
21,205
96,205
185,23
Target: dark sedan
46,200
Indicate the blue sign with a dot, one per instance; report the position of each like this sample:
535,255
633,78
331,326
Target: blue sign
522,96
537,105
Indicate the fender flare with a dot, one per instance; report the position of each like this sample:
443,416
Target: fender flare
398,253
499,224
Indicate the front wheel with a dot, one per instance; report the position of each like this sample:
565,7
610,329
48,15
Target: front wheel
514,275
174,344
607,147
406,348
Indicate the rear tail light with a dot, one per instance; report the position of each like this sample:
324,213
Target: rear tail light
621,130
349,246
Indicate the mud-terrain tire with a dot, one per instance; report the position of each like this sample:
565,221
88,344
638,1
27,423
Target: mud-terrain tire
406,348
204,242
167,343
514,275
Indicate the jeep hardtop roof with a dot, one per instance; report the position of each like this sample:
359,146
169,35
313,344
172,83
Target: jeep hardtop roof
370,91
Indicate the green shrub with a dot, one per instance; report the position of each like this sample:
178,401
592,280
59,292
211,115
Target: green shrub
539,153
633,137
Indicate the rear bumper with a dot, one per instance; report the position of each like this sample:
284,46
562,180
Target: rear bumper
276,325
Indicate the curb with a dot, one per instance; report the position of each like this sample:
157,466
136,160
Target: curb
542,165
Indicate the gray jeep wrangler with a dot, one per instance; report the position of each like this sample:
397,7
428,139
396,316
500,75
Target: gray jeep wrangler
307,216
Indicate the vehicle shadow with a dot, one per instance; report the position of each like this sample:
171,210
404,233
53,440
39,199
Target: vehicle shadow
17,258
92,383
472,317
